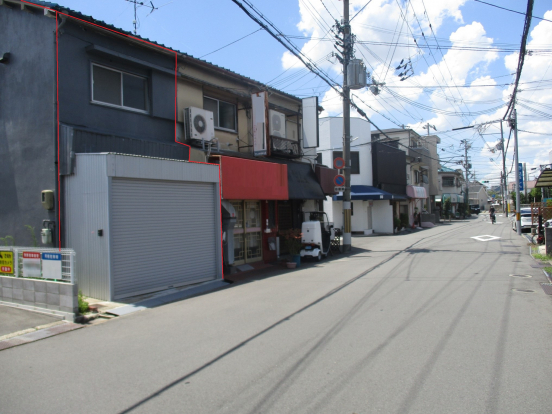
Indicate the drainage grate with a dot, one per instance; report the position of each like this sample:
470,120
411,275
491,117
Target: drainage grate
547,287
524,290
522,276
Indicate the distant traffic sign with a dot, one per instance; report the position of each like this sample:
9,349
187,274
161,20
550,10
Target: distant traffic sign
339,163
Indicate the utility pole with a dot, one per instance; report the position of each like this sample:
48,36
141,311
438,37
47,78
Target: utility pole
516,161
525,179
427,126
347,47
467,165
504,176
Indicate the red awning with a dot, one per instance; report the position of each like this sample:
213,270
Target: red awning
243,179
415,192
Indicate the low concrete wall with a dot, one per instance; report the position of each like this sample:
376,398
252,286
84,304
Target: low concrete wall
431,218
56,298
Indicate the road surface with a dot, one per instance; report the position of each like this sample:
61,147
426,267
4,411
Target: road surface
429,322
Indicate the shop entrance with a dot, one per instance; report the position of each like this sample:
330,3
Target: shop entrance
247,232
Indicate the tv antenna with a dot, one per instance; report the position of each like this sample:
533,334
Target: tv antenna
137,4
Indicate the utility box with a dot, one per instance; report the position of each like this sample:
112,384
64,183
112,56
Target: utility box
47,198
356,74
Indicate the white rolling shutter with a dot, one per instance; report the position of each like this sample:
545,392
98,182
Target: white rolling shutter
162,234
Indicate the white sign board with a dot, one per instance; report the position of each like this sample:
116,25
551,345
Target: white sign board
31,264
51,265
259,104
310,122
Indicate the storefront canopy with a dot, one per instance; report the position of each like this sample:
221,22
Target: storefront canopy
366,192
416,192
302,182
545,179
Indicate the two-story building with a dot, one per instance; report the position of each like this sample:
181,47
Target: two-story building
371,208
453,188
478,196
193,134
418,168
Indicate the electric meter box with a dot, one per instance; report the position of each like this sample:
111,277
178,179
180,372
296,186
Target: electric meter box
48,199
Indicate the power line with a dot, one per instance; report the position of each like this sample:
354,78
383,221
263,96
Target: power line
521,58
513,11
235,41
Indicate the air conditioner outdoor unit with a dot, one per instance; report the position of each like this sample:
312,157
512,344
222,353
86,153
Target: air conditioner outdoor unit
199,124
277,124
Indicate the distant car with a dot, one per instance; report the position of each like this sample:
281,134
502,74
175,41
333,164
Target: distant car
474,209
526,223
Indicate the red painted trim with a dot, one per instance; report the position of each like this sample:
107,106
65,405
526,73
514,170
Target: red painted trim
57,115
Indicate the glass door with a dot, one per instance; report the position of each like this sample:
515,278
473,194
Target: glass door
247,232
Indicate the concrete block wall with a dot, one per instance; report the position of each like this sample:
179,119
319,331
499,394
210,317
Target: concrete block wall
57,298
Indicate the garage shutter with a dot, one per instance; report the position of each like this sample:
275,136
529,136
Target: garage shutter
162,234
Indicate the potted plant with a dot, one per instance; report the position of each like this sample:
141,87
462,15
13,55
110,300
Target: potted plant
397,224
292,241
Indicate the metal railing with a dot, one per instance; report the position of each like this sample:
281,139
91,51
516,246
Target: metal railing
68,262
284,147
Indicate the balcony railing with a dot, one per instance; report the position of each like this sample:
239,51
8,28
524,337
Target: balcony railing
283,147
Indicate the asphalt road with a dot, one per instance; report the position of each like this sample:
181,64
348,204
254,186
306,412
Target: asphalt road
427,322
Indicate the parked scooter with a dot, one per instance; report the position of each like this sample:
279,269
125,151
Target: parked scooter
317,235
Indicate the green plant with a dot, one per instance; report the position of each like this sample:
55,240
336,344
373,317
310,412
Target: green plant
6,239
548,270
447,208
83,305
33,235
397,222
404,219
542,257
292,240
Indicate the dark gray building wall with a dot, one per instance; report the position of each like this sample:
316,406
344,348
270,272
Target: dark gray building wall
27,121
79,47
389,168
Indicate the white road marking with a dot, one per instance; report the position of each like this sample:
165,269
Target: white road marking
485,237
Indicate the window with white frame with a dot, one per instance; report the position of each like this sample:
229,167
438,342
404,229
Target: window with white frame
121,89
224,113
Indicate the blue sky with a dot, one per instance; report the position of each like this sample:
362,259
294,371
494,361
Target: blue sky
200,27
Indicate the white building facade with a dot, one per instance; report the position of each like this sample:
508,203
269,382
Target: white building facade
371,208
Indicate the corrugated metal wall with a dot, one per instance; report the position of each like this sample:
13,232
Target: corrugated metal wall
160,221
163,234
87,212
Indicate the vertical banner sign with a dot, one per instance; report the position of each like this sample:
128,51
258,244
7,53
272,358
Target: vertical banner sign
520,184
259,104
31,264
310,122
6,262
51,265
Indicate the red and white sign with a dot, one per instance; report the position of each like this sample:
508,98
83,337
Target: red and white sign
31,255
339,163
6,269
31,264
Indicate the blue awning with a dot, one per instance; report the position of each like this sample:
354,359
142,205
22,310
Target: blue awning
366,192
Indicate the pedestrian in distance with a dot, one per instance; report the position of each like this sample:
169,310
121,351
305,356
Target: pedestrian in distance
492,215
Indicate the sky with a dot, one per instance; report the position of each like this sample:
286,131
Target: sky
462,63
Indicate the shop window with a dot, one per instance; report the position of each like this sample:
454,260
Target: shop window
355,163
119,89
224,113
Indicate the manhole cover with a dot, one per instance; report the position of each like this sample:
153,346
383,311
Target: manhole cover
524,290
547,287
522,276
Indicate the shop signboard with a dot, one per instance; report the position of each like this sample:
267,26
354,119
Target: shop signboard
6,262
31,264
51,265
